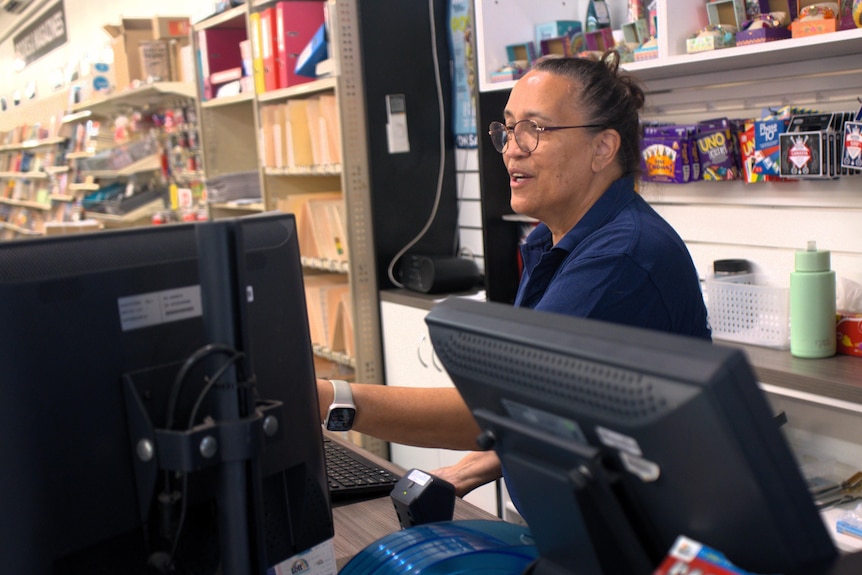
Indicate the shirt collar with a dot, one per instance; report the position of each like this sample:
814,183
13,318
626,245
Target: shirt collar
606,207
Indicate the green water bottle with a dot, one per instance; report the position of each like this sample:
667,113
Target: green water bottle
812,304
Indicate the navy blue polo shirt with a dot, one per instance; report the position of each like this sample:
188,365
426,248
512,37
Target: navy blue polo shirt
621,263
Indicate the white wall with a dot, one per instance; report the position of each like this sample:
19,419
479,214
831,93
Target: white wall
469,205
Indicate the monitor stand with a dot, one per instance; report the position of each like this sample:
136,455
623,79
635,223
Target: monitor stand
605,543
227,445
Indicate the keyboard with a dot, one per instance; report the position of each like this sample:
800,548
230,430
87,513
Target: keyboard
353,476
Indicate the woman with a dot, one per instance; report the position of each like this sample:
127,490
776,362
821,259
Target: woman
570,141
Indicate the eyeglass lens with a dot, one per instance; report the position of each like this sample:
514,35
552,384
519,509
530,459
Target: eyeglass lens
525,132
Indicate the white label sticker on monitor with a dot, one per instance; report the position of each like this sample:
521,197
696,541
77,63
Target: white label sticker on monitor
550,422
618,440
159,307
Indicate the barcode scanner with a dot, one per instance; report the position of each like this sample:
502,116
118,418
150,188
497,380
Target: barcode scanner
420,497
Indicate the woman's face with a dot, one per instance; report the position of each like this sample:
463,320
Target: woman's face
552,183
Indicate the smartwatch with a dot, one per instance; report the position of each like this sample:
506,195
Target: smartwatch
342,411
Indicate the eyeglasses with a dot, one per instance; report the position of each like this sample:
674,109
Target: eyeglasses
525,132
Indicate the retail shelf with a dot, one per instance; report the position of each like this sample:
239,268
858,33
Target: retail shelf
150,163
326,264
321,170
31,144
142,97
89,187
132,218
34,175
224,101
25,204
20,230
335,356
501,24
231,16
307,89
250,206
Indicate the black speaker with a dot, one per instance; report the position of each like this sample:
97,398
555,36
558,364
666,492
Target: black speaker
429,274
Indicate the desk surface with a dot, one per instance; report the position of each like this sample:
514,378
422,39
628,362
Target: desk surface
359,524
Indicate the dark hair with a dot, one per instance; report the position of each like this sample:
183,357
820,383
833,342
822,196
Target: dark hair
612,99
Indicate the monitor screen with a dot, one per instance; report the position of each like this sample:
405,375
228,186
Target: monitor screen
615,440
105,331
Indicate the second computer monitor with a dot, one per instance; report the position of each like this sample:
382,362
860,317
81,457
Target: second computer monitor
616,440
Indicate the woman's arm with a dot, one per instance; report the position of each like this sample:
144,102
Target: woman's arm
419,416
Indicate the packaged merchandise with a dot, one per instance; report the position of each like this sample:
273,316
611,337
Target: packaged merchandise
716,150
669,154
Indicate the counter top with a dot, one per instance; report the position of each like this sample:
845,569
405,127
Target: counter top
424,300
360,524
836,378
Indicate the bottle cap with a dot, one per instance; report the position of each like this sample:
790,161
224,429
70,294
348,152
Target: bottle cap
813,260
733,266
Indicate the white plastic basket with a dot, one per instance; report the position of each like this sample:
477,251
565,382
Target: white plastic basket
749,313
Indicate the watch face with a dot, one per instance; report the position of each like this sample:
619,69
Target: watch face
340,418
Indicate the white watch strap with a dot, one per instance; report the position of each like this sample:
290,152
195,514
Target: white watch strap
342,394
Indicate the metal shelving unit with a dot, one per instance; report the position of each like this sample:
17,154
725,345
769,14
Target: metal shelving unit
230,137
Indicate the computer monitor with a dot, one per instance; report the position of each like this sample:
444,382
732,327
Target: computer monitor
113,432
616,440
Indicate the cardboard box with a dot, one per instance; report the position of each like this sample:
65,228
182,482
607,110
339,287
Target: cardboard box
636,32
561,45
557,29
786,7
849,333
507,74
726,12
131,32
599,40
126,39
524,53
168,27
760,35
811,27
646,52
706,43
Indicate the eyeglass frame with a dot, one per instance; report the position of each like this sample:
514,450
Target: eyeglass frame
510,133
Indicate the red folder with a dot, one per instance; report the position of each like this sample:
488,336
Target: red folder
219,51
297,21
268,45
